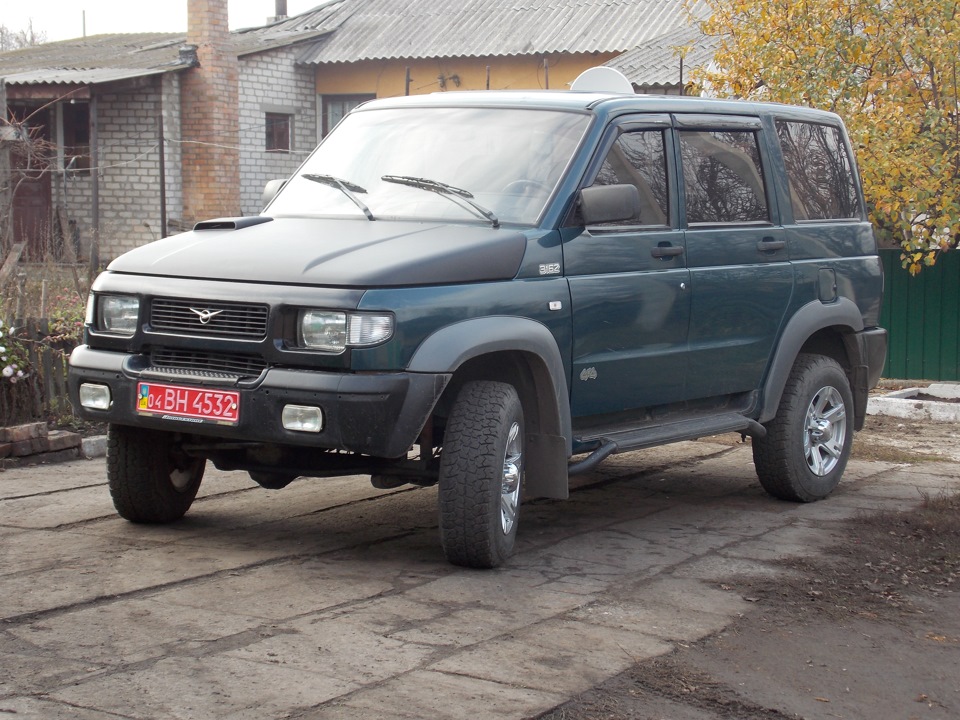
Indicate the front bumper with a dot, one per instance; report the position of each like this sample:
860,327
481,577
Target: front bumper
377,414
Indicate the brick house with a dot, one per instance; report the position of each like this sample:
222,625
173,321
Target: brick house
153,132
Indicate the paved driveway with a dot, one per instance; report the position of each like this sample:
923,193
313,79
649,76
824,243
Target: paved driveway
330,599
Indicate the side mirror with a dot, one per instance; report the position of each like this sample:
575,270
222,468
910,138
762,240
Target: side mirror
270,190
609,203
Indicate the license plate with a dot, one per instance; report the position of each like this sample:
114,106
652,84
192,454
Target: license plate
190,404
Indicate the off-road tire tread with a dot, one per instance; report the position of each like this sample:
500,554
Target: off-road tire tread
137,462
777,457
469,501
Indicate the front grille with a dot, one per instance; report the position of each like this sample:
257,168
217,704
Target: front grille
235,364
224,320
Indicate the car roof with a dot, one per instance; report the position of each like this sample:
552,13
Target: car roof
600,103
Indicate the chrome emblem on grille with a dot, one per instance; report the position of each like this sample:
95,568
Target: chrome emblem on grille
205,316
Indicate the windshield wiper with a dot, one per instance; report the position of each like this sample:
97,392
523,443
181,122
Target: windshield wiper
345,186
458,195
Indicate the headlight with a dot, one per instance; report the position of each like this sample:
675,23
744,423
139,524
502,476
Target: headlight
334,331
322,330
118,314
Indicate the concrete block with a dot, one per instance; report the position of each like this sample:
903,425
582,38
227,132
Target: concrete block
30,446
94,447
62,439
19,433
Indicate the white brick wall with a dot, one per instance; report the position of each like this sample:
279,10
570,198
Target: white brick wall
129,156
129,167
270,82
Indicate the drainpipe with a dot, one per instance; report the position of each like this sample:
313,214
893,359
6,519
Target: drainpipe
95,190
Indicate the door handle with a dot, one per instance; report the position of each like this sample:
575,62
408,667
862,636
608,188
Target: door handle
665,252
768,244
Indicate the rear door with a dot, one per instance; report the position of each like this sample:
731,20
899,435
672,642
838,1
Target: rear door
740,277
628,281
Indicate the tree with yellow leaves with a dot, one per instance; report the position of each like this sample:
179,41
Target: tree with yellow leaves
889,68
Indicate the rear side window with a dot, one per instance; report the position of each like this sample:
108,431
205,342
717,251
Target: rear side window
638,158
819,172
722,177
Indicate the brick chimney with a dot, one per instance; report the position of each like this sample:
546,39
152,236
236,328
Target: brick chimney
210,117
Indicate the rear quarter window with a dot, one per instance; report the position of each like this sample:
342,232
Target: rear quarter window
819,172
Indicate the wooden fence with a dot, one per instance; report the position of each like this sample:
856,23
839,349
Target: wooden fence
921,316
42,393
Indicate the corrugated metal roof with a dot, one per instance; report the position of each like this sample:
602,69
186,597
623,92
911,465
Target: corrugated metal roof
656,62
310,25
94,59
414,29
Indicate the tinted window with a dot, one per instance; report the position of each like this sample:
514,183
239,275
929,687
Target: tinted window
723,177
819,172
639,159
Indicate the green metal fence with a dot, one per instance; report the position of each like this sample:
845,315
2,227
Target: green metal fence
921,316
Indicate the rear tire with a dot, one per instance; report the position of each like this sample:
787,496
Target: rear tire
808,443
151,479
481,475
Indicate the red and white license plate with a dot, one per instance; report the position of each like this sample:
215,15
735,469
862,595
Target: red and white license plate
175,402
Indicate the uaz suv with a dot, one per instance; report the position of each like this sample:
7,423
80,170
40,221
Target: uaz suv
493,291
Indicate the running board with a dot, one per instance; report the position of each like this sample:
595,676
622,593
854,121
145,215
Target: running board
637,439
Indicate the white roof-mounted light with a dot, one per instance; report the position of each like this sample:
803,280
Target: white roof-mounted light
602,79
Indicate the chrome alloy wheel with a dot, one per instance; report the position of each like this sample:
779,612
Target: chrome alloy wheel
510,483
825,431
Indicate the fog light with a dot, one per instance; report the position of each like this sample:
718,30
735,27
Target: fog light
95,397
302,418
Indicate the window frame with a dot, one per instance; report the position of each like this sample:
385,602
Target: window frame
728,124
282,120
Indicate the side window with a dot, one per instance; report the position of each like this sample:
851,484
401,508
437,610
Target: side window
722,177
639,158
819,172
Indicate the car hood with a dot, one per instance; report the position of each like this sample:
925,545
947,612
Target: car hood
336,252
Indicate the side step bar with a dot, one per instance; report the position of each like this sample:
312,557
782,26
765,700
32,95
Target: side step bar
638,439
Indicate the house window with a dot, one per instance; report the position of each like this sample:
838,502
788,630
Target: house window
76,137
336,106
278,132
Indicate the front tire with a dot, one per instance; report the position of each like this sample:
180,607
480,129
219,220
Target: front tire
808,443
151,479
481,475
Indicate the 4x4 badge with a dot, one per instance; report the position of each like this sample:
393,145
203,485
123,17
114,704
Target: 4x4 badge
589,373
205,315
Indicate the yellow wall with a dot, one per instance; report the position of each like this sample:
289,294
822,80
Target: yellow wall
386,78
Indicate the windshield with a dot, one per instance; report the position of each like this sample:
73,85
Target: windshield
506,162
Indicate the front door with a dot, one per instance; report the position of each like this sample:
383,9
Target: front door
628,284
30,176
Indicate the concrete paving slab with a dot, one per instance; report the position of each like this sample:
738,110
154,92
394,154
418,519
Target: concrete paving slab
441,695
659,619
30,670
557,653
291,589
718,568
338,650
120,633
28,708
220,686
106,571
796,540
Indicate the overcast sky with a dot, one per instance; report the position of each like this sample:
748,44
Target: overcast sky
63,19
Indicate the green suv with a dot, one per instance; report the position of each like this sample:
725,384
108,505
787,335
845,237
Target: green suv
493,291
